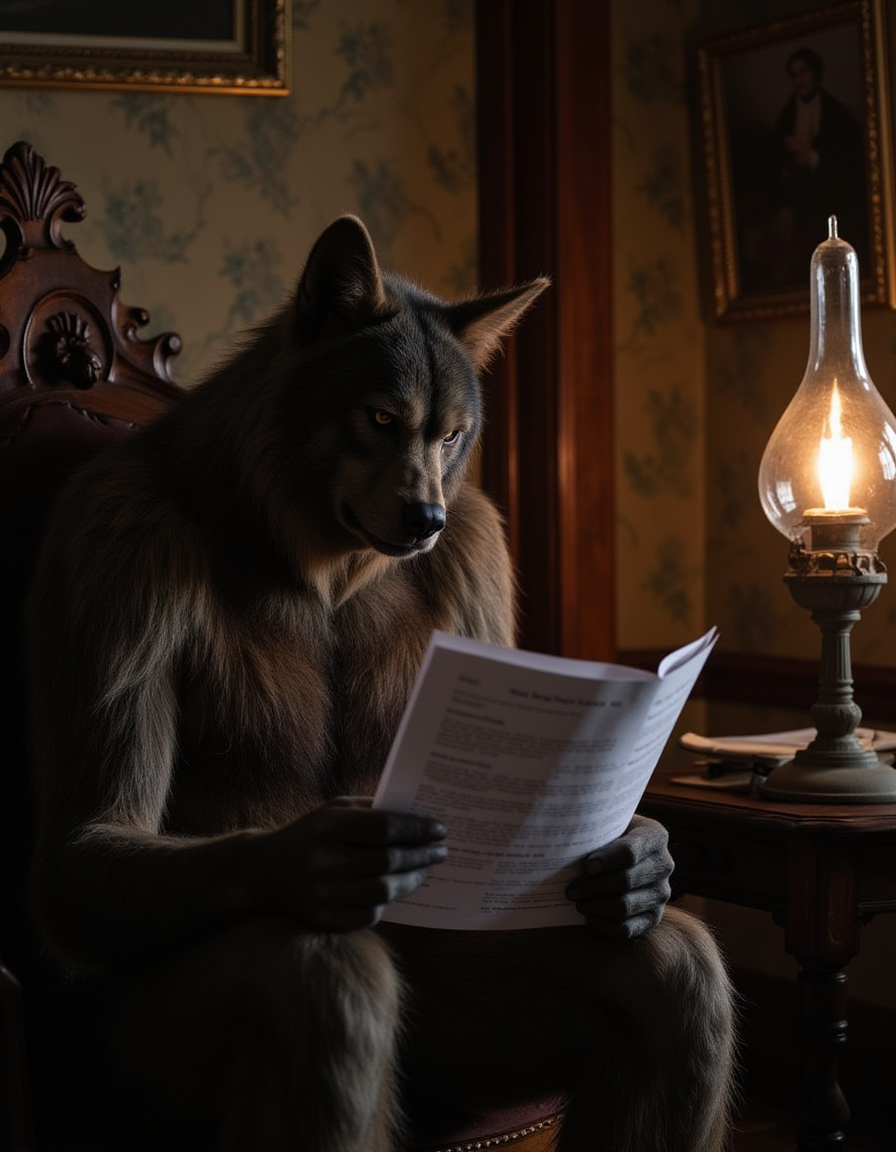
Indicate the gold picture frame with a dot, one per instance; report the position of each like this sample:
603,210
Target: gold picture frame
769,194
229,46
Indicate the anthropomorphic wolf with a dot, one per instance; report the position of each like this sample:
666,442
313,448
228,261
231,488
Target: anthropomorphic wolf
227,618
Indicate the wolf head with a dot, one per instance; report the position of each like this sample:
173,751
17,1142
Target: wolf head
401,372
365,405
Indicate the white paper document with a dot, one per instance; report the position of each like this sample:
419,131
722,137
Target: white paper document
532,762
775,747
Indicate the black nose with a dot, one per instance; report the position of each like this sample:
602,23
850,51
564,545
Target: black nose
424,520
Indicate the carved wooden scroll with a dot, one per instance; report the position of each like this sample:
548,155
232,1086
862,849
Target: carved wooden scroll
63,327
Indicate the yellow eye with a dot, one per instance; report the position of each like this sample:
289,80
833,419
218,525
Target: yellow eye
381,417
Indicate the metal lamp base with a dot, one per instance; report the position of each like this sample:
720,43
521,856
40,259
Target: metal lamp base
835,579
820,783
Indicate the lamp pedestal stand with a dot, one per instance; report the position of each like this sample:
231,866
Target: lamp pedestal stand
835,580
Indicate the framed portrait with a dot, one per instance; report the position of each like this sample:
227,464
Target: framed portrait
795,117
234,46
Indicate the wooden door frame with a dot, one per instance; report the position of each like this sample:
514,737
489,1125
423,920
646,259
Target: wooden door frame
543,77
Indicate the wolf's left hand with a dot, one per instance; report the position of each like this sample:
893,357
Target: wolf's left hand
624,886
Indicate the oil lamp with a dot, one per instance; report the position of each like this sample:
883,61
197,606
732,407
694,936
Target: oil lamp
827,482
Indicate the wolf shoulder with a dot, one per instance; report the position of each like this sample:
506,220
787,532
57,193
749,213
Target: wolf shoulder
125,531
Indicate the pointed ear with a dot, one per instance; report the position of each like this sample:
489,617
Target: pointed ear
342,281
482,322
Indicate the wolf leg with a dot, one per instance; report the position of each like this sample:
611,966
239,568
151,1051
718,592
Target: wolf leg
660,1076
638,1035
283,1039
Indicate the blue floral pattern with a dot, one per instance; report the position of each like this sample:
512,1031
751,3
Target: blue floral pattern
210,201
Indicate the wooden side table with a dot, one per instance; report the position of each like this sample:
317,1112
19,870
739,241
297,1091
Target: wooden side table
822,871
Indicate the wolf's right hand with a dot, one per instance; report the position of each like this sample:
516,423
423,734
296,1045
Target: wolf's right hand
337,868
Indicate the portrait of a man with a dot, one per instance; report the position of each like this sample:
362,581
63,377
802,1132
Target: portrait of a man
813,167
793,135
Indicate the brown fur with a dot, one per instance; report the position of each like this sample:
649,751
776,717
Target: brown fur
226,622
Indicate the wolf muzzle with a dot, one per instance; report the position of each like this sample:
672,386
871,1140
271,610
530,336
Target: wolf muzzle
424,520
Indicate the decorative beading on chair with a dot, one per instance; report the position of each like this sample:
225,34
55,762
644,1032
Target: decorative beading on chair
538,1136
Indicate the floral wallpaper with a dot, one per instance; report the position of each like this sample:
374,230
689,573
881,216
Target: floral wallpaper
696,399
210,202
660,394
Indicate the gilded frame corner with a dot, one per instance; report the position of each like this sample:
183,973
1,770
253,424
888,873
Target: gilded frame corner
257,61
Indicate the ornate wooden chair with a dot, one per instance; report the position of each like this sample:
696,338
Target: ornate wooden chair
74,377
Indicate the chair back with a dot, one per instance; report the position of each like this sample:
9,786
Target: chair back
74,376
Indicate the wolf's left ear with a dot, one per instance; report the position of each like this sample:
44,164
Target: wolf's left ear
482,322
342,279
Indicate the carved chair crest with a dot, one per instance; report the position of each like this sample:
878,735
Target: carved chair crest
63,329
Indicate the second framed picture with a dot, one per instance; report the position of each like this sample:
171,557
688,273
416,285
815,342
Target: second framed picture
796,129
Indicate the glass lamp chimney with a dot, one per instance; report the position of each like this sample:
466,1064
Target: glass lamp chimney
831,460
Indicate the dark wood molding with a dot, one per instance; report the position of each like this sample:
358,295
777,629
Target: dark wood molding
543,75
778,681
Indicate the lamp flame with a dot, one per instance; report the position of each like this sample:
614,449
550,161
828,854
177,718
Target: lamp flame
835,462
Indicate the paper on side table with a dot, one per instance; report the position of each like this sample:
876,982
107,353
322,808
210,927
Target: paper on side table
775,746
